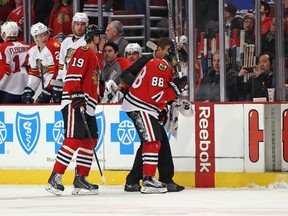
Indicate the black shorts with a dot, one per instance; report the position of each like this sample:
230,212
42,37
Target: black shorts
147,126
74,126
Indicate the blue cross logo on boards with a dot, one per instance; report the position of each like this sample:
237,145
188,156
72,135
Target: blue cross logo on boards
55,130
6,133
28,129
125,133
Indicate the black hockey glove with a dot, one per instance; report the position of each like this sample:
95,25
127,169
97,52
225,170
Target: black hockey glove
78,99
57,94
27,96
163,117
45,96
178,84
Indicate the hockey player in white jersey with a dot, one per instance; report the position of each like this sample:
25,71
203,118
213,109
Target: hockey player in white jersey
79,22
43,62
14,55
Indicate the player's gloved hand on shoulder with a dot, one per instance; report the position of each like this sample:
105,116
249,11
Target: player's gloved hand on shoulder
57,94
78,100
27,96
45,96
178,84
163,117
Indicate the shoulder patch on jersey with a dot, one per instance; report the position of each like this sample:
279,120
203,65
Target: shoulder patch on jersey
162,67
56,44
85,48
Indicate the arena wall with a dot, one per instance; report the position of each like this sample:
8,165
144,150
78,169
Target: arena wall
222,145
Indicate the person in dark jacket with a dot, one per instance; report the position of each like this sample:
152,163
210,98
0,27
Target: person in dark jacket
231,20
209,89
259,80
268,40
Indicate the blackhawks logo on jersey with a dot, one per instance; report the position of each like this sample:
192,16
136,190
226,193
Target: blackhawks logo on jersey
85,48
162,67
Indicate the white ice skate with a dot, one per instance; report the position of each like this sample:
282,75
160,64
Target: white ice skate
151,185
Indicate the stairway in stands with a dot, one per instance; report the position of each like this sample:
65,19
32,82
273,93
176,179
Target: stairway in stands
138,28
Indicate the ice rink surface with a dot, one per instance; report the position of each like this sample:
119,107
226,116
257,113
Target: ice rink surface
112,200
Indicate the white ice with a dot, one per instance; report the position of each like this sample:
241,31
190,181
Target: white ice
112,200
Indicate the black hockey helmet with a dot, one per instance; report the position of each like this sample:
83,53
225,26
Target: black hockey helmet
93,30
171,54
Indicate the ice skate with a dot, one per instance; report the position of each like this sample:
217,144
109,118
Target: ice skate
132,187
55,185
151,185
83,187
173,187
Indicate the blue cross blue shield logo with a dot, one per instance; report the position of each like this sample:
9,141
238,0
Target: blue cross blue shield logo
55,130
28,130
125,133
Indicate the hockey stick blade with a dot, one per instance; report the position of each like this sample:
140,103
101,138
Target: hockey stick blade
151,45
57,83
82,111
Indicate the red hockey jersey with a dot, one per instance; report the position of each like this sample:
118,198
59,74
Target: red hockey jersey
82,75
150,90
17,16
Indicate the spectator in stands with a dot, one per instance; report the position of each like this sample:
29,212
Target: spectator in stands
268,40
43,65
265,18
115,34
209,89
113,65
133,52
17,16
61,18
249,27
231,20
260,79
43,10
5,8
14,55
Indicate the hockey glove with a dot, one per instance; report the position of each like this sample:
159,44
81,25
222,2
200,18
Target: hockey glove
163,117
27,96
57,94
178,84
45,96
78,99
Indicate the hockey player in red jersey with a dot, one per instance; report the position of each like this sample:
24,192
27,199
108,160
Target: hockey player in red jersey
43,61
14,55
153,88
80,91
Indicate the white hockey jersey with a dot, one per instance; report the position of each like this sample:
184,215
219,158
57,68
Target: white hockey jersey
14,54
68,47
43,64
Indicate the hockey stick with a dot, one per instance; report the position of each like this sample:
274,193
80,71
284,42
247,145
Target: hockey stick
42,75
151,45
82,111
56,83
171,23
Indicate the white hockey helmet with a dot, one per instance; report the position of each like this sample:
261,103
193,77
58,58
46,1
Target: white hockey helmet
38,29
185,108
133,47
80,17
10,29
